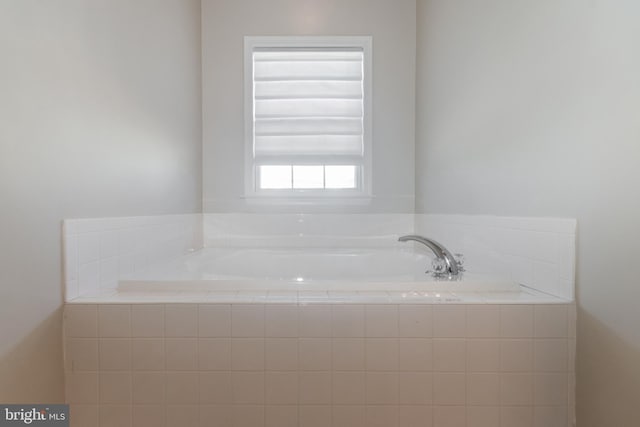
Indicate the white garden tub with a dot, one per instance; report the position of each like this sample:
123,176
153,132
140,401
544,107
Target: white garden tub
311,275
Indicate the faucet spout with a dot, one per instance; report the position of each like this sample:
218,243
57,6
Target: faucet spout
439,251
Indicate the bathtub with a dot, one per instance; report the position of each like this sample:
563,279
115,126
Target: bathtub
312,275
278,316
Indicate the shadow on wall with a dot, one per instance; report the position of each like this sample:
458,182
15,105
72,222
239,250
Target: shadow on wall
27,360
614,367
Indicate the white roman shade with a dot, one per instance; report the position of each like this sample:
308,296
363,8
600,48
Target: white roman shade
308,108
308,102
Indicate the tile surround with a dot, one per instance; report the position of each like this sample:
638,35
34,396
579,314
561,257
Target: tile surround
320,358
536,252
98,252
485,374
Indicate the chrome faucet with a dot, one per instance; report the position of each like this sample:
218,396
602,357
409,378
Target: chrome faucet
452,267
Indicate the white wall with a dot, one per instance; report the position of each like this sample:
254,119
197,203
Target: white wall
530,108
100,115
392,25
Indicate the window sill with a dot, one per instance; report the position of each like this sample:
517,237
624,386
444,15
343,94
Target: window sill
266,200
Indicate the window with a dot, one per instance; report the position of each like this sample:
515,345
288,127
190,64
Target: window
308,116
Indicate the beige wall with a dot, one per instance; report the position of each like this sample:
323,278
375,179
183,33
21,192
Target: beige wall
100,116
392,25
532,108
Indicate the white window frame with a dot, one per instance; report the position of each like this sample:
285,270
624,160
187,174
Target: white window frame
361,194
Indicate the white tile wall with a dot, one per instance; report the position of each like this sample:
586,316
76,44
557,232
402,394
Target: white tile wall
487,366
536,252
97,252
318,359
304,229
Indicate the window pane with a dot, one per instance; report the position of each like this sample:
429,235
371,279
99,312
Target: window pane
275,177
342,176
308,177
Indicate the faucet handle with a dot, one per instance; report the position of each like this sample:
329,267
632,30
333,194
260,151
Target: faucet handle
439,266
459,258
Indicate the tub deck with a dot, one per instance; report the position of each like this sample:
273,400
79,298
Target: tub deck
310,276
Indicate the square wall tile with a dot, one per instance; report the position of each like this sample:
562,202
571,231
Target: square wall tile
281,388
115,354
115,389
516,416
415,416
449,355
181,354
483,416
109,273
449,388
115,415
281,320
148,416
381,354
551,321
550,416
182,416
348,388
516,389
281,354
449,321
147,354
89,278
315,388
81,320
149,388
516,355
314,320
415,354
84,415
382,416
216,388
214,354
281,416
70,257
247,320
314,354
108,242
449,416
114,321
88,248
248,388
147,320
551,355
314,416
551,389
415,321
347,320
348,416
81,354
483,389
516,321
248,415
381,320
483,355
181,320
182,388
483,321
81,388
348,354
248,354
382,388
214,320
415,388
